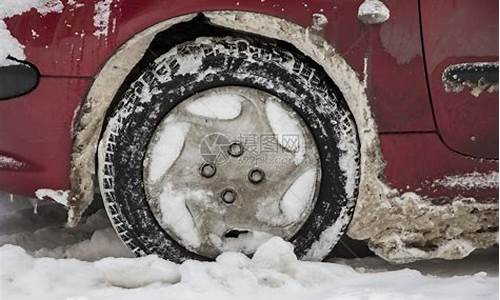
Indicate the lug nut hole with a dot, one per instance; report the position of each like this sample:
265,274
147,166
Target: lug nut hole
228,196
256,175
208,170
235,149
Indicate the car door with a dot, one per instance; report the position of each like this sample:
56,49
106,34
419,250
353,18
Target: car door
460,40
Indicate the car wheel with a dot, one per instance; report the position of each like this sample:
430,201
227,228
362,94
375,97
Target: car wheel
222,143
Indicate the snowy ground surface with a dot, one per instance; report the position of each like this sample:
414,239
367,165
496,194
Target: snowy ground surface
89,262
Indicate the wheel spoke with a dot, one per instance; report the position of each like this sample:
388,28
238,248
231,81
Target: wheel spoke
237,179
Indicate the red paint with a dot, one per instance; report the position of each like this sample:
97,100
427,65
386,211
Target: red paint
415,161
396,75
468,33
36,127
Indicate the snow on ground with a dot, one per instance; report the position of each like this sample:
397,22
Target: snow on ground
89,262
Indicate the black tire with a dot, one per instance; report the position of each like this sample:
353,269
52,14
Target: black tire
250,62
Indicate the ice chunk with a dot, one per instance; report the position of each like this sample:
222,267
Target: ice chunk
138,272
59,196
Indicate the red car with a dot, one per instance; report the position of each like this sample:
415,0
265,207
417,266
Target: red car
209,126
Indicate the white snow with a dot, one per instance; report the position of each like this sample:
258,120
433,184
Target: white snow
217,106
9,162
468,181
246,243
166,148
34,34
273,273
176,215
287,130
189,64
298,196
347,162
9,45
139,272
102,13
329,237
59,196
90,263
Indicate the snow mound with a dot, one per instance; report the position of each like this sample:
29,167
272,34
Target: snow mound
275,254
273,273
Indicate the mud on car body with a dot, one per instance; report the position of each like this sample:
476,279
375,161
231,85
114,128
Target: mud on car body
363,135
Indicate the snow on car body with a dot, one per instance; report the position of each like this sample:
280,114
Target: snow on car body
413,133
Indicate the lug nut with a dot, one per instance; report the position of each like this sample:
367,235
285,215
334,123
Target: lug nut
207,170
228,195
235,149
256,175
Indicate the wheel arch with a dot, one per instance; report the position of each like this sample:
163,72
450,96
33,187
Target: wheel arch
89,123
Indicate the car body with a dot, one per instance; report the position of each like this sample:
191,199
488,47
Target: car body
439,144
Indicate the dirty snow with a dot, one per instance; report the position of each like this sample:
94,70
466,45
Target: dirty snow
319,21
59,196
299,196
102,13
475,87
287,130
166,147
9,162
9,45
468,181
89,262
217,106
